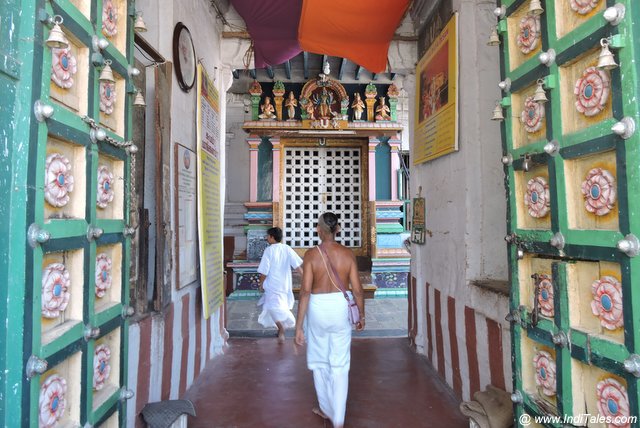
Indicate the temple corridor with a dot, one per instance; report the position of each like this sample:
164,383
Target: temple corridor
260,383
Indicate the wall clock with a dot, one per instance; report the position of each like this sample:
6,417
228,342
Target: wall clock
184,57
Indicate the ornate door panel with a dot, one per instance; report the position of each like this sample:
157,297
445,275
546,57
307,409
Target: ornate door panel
79,214
320,179
572,160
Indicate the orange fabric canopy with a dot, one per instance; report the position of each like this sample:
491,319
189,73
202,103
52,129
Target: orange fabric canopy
360,30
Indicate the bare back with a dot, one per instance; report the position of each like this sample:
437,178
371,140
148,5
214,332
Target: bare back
315,273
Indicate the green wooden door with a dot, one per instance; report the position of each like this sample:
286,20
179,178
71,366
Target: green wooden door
77,213
572,161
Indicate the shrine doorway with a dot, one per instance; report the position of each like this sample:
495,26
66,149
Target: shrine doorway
322,175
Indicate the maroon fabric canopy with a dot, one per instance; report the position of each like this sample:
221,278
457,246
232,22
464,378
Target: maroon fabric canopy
273,26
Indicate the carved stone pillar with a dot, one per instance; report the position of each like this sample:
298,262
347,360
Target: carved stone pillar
395,144
275,183
373,142
253,141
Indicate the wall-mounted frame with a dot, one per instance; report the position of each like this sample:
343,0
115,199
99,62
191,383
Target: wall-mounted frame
186,179
418,221
184,57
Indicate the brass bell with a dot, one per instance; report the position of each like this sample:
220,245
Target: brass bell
106,75
535,8
139,26
494,39
497,113
540,95
56,38
606,60
138,101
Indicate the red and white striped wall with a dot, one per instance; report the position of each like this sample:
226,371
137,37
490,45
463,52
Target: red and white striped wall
465,338
168,351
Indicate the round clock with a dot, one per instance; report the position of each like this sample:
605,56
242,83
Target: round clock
184,57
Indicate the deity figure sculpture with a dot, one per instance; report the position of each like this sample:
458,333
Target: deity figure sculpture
291,103
382,111
324,102
310,109
358,107
267,109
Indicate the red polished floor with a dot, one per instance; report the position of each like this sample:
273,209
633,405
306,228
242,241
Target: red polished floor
259,383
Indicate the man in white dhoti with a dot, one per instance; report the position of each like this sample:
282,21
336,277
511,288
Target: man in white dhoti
275,279
328,328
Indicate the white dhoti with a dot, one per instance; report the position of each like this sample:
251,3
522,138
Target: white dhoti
277,301
329,352
276,307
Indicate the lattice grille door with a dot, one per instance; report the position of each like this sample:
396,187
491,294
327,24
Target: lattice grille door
320,179
572,167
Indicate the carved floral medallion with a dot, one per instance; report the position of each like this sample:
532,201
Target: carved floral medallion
109,18
52,401
532,117
107,97
101,366
545,368
63,67
103,274
105,187
529,35
592,91
536,197
613,401
583,6
55,290
545,295
599,191
607,302
58,180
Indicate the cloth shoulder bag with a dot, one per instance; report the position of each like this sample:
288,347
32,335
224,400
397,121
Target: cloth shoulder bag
354,313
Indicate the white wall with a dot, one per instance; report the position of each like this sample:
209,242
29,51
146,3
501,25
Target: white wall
160,18
465,198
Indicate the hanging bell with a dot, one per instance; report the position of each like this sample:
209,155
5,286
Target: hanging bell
540,95
139,26
535,8
106,75
494,39
497,113
56,38
606,60
138,101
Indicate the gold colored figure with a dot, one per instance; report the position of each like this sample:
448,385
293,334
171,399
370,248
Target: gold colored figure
382,111
267,109
358,107
291,103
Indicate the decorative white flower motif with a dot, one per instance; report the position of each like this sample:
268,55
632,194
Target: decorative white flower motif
101,366
58,180
613,401
63,67
52,401
607,302
592,91
536,198
545,368
109,18
599,191
529,33
55,290
105,187
107,97
103,274
583,6
545,295
532,116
